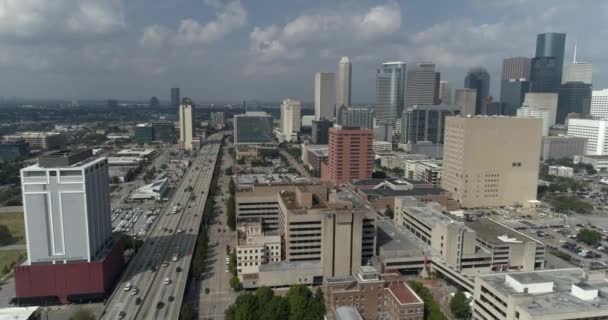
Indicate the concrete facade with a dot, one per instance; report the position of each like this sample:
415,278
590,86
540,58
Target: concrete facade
186,125
544,100
325,95
557,147
350,155
37,140
491,161
290,118
343,84
596,132
420,84
465,99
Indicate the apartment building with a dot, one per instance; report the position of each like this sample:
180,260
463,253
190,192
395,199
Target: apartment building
373,295
491,161
350,155
560,294
37,140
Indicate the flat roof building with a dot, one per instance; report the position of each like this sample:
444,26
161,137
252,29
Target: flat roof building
38,140
350,155
596,132
558,147
252,128
491,161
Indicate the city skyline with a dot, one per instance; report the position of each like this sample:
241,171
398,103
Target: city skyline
263,52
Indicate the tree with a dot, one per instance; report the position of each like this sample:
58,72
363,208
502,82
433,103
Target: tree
82,314
231,187
276,309
231,206
228,171
459,306
298,297
317,305
187,312
388,212
590,237
235,283
432,311
6,237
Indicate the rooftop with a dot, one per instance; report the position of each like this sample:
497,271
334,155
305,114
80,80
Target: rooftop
290,265
495,232
269,179
65,158
347,312
404,193
403,293
560,300
17,313
393,241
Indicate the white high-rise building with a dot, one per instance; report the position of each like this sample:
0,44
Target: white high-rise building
66,202
536,112
290,119
596,132
186,124
420,84
445,92
465,100
344,83
325,95
578,72
543,100
599,103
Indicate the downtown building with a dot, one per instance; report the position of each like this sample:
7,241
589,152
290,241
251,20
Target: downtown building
491,161
175,98
425,124
186,126
574,98
478,79
360,117
290,120
420,84
350,155
465,99
252,128
37,140
71,254
343,84
390,89
595,131
325,95
599,104
558,147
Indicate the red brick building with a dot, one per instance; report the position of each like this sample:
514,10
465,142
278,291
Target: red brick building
350,155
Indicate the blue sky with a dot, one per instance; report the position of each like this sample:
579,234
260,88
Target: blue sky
270,49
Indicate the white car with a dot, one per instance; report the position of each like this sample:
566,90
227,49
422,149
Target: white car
128,286
134,291
167,281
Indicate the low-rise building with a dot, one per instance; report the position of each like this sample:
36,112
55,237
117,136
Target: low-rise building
137,152
144,132
14,150
38,140
558,147
154,191
382,146
314,155
560,171
256,247
599,163
393,160
558,294
372,295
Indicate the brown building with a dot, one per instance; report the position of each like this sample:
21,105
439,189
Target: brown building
491,161
374,295
350,155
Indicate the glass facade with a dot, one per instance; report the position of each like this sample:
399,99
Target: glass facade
512,94
320,131
574,97
425,123
478,79
545,75
552,45
164,131
252,129
144,133
390,82
356,117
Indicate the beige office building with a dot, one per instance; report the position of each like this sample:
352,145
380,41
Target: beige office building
290,119
465,100
186,125
325,95
491,161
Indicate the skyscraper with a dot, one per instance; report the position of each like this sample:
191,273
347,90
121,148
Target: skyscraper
425,123
599,103
186,124
574,97
491,161
437,85
356,117
320,131
544,100
325,95
465,99
290,119
512,94
344,83
420,84
445,92
545,75
516,68
479,79
252,128
66,202
350,155
538,113
175,97
390,87
552,44
578,72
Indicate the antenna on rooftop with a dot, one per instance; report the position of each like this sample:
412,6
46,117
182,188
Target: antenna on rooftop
574,55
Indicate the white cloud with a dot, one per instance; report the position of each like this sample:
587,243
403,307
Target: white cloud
337,29
60,19
154,36
229,16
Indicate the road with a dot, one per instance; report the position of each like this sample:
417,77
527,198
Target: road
146,271
293,162
220,296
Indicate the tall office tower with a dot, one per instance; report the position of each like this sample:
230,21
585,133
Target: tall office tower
425,123
465,99
516,68
420,84
175,97
252,128
552,44
445,92
325,95
596,132
344,83
479,79
491,161
290,119
574,97
578,72
186,125
70,252
545,75
599,103
356,117
350,155
390,87
537,113
437,85
543,100
512,94
320,131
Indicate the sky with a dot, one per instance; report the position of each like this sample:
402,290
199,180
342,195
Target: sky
231,50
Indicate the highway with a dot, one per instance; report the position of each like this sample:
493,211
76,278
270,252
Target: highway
152,266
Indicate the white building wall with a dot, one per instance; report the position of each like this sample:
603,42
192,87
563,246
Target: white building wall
536,112
543,100
592,129
599,103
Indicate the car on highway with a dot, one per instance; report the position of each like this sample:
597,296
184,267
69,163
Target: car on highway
128,286
138,301
171,298
167,281
121,315
135,291
165,263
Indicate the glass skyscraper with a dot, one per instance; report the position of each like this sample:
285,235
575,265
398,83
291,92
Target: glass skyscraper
574,97
390,82
545,75
425,123
478,79
252,128
512,94
552,44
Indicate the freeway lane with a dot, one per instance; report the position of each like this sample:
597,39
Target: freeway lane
146,272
